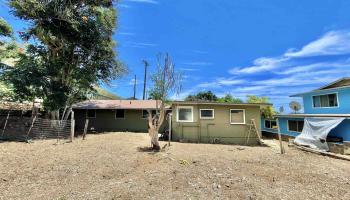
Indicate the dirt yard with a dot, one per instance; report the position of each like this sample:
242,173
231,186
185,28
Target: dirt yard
109,166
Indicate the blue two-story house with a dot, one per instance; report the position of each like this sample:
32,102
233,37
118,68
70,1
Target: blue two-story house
331,101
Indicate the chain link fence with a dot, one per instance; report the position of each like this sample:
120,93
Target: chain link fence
27,128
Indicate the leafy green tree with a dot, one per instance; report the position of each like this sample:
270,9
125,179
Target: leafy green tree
71,51
257,99
202,96
5,28
266,111
229,99
8,53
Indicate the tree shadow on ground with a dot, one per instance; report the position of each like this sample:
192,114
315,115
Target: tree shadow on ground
151,150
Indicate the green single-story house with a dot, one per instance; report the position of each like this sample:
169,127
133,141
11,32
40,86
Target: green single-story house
211,122
114,115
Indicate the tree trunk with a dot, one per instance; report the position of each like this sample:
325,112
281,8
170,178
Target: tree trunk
154,139
153,131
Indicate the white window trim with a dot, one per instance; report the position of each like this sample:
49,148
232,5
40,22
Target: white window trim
291,130
270,124
177,113
200,114
243,116
313,103
88,116
115,112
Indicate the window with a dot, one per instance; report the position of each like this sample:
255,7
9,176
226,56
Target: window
91,113
295,126
237,116
145,114
206,113
271,124
324,101
185,114
120,114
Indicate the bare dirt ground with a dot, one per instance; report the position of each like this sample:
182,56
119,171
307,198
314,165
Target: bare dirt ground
109,166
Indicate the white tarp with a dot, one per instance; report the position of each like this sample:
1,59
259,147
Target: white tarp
315,132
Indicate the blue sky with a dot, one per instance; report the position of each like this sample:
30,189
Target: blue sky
268,48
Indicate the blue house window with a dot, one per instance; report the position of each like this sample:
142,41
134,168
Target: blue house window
325,101
270,124
295,126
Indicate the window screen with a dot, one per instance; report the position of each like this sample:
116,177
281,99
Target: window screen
207,113
271,124
328,100
120,114
185,114
237,116
91,113
295,126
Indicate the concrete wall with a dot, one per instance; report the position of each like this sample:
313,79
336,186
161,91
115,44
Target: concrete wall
206,130
105,121
343,102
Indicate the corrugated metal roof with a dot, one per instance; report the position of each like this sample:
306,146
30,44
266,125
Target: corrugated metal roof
118,104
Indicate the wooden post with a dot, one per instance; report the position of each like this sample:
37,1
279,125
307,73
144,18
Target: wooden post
7,118
169,136
72,126
31,127
280,137
85,128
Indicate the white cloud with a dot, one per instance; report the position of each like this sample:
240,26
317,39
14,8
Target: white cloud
207,85
124,6
197,63
189,69
140,44
228,82
332,43
261,64
333,66
200,52
144,1
126,33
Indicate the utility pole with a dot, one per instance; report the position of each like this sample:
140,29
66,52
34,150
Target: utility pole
144,81
135,87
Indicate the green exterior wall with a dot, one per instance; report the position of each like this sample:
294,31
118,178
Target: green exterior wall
105,121
207,130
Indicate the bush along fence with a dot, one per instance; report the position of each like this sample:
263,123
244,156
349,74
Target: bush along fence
29,128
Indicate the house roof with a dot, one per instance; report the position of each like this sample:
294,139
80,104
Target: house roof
117,104
302,115
219,103
5,105
340,83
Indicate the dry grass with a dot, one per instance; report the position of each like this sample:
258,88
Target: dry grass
110,166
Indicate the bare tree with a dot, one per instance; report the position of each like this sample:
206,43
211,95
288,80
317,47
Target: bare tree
165,82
